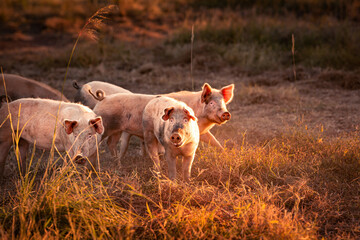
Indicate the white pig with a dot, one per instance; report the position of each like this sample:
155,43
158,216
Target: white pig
78,129
20,87
84,93
172,124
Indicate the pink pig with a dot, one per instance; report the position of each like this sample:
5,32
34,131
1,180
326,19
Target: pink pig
78,128
172,124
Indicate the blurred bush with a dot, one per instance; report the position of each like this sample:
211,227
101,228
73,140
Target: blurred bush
341,9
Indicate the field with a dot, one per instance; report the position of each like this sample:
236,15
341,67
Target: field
291,165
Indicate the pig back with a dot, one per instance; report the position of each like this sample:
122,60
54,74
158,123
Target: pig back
123,112
108,88
20,87
36,118
84,96
191,99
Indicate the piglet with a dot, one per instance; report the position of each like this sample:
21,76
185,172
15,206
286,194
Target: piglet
172,124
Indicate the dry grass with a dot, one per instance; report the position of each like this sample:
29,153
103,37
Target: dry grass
248,95
266,42
299,185
331,78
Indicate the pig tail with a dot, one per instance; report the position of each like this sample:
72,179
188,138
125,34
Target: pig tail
99,95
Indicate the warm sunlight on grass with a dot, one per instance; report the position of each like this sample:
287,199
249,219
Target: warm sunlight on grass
295,186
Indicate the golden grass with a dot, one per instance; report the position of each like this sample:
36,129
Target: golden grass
248,94
299,185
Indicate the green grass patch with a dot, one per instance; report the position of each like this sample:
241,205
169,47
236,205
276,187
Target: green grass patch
313,8
266,44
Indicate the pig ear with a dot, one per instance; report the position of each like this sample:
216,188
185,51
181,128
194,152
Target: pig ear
206,93
167,112
97,124
70,125
4,99
228,93
190,115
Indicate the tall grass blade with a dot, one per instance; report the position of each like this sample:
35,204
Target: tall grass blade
293,55
191,57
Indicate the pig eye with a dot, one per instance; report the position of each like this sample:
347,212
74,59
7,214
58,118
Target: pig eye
186,120
211,103
171,120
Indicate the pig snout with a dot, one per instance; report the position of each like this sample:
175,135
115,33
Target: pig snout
225,116
175,139
79,159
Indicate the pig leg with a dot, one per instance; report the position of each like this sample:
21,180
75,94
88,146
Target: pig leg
171,160
186,165
112,143
151,144
161,149
210,139
23,149
4,150
125,138
91,164
142,149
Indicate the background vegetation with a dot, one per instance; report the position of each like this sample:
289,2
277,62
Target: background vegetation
252,34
